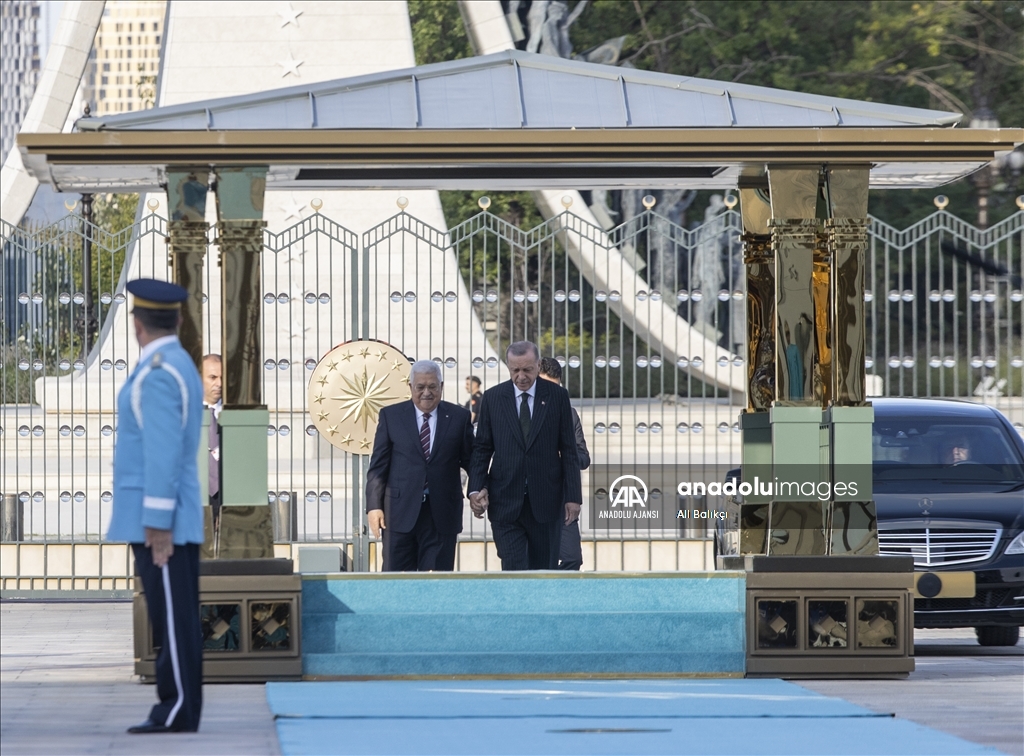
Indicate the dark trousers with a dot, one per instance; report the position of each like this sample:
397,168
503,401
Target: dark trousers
422,550
570,552
526,544
172,596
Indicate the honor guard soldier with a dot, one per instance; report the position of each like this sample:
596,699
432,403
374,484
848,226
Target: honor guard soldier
157,506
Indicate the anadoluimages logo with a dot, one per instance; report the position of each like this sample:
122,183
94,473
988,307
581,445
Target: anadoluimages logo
627,490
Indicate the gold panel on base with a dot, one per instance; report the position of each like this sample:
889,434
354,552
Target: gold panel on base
246,533
853,530
797,528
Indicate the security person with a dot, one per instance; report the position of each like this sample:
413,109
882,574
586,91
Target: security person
157,505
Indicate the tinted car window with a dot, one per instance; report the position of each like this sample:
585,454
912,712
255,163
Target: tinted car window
945,451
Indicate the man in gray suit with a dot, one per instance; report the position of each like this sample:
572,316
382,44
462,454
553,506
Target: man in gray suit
570,553
413,485
525,471
212,405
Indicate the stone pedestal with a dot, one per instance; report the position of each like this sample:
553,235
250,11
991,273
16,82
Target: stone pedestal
829,616
251,616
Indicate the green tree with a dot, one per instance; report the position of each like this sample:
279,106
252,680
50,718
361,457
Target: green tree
955,55
438,33
56,255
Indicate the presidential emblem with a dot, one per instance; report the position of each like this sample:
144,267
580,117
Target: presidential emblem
349,387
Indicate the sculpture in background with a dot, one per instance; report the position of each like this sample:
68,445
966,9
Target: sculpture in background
707,272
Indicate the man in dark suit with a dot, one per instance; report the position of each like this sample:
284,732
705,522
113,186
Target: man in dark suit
570,553
525,468
413,485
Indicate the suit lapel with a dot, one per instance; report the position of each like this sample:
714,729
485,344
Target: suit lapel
409,420
540,408
512,412
443,421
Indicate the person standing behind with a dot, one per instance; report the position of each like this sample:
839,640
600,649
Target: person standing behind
570,553
157,507
212,405
413,484
525,468
473,385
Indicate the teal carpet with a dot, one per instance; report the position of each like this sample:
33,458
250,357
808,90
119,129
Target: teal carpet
723,716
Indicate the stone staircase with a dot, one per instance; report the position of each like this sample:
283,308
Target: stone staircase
523,625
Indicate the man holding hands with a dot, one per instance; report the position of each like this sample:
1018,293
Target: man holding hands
413,484
525,470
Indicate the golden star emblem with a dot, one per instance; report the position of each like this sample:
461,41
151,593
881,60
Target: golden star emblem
363,396
345,395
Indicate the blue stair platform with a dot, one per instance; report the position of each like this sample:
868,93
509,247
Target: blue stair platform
532,624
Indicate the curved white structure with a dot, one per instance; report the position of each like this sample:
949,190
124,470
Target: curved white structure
656,323
54,95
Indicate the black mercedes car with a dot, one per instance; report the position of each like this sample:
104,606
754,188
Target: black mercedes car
949,491
948,479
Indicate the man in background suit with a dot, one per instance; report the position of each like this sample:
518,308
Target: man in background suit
212,405
570,553
525,468
413,485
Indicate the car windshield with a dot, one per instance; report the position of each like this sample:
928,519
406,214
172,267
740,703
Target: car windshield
945,450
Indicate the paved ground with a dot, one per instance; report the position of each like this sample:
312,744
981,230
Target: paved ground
67,688
959,687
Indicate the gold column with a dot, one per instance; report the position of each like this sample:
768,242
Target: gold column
795,230
246,527
847,232
240,227
760,271
241,246
821,281
187,239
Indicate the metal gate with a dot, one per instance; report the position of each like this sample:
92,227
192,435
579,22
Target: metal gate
646,318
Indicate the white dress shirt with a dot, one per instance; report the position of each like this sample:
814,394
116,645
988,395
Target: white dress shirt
531,393
431,423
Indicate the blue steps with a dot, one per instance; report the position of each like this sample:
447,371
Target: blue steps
523,624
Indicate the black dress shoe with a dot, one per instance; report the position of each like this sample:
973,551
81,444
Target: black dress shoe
147,727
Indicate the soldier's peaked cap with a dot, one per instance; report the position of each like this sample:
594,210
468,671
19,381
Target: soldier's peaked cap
156,295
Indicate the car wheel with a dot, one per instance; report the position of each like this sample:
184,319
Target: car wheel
995,635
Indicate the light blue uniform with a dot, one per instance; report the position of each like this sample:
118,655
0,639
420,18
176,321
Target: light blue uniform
156,474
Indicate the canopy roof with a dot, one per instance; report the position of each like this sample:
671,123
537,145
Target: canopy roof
514,119
515,89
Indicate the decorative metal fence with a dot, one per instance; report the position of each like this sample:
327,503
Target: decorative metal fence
647,320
